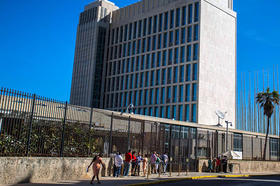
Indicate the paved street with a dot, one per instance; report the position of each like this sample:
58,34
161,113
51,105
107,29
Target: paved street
255,181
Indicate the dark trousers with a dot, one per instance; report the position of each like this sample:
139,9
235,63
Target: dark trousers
117,171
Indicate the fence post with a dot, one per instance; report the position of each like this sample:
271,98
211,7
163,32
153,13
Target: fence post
63,131
30,125
111,136
89,131
128,134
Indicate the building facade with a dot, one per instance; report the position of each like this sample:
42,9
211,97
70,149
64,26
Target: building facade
172,59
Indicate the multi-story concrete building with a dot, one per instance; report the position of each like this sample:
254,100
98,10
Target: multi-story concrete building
173,59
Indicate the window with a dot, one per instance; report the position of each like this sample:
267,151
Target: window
169,72
143,62
132,64
194,113
189,34
144,45
189,53
187,113
153,60
112,36
145,27
135,98
134,30
190,13
158,77
155,24
125,32
273,146
194,92
121,100
127,82
171,19
131,81
182,76
238,142
137,63
168,94
160,22
162,112
163,95
175,114
188,93
177,37
170,56
149,44
121,35
133,47
138,46
140,28
180,113
147,79
165,20
174,94
176,51
154,42
175,75
129,49
195,52
195,33
188,72
157,96
194,71
159,41
151,111
146,96
183,56
181,93
130,31
165,40
158,59
151,96
171,39
156,112
152,78
196,12
124,50
164,56
117,36
127,65
184,15
140,97
148,61
142,79
150,25
168,112
183,35
123,65
177,17
136,80
146,111
163,77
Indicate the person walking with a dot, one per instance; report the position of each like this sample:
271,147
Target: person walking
164,159
145,161
96,165
118,164
128,158
153,162
158,162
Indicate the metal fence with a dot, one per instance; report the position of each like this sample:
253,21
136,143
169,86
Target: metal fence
32,125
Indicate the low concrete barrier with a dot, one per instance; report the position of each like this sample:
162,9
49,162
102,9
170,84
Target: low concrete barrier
45,170
243,166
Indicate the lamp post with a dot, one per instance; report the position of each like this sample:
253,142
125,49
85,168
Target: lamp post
227,123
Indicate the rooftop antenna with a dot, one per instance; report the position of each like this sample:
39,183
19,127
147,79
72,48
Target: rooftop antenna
220,115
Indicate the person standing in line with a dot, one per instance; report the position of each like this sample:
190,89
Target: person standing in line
139,159
96,165
133,164
164,159
214,164
145,161
118,164
158,161
153,162
218,164
128,158
210,167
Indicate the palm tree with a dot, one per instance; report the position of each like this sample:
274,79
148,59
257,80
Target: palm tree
268,100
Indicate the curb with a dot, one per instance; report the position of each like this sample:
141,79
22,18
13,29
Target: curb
188,178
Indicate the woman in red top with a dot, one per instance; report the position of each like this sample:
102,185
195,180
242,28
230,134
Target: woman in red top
97,162
133,162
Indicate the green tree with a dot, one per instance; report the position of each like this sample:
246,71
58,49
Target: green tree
268,100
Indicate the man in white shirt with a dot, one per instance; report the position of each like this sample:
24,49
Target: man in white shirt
118,164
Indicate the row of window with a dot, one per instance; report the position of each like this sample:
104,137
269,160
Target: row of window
181,74
155,42
158,23
164,95
159,59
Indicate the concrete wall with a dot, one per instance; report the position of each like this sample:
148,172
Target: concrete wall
45,170
251,167
217,63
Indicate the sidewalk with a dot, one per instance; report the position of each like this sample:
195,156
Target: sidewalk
154,178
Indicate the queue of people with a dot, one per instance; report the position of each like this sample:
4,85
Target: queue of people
132,163
218,164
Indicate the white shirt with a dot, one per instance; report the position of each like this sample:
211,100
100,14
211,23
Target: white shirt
118,160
